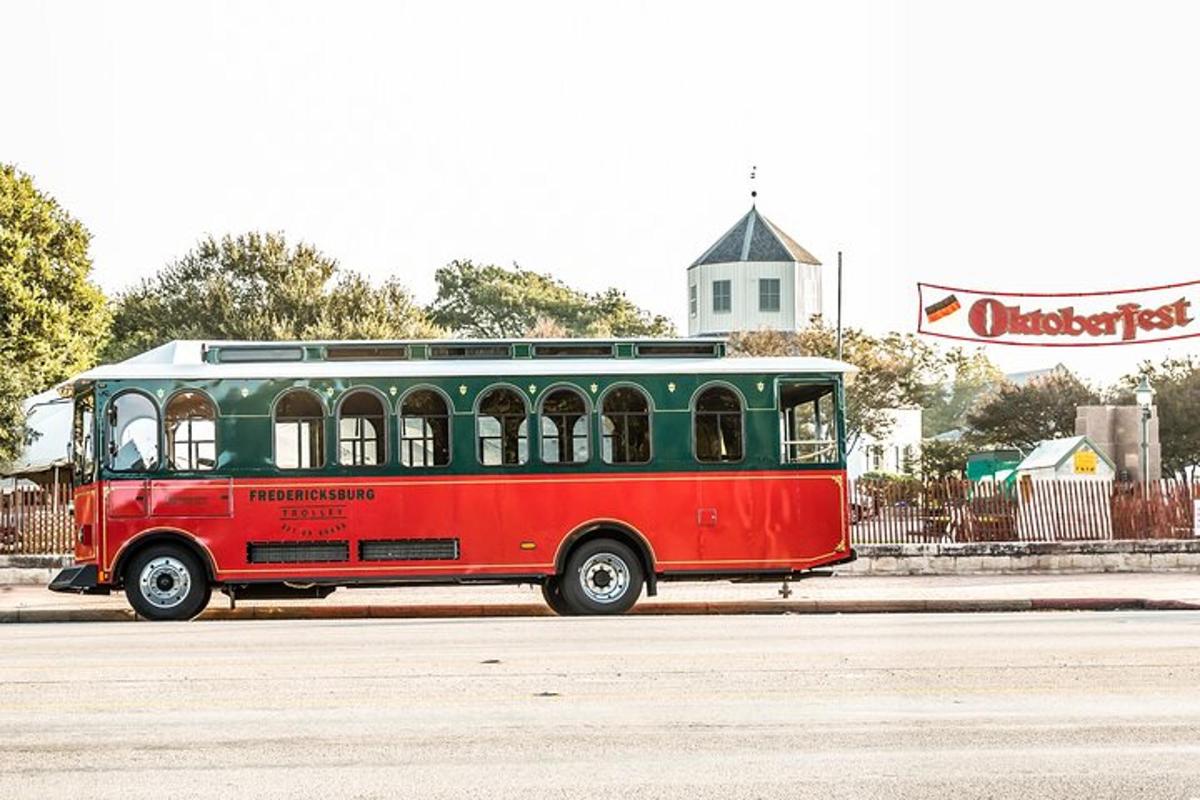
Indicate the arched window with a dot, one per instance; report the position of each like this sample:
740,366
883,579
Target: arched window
362,430
132,433
564,427
299,431
625,426
191,432
717,421
424,429
503,428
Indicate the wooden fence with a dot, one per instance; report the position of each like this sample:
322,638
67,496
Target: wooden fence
36,521
901,511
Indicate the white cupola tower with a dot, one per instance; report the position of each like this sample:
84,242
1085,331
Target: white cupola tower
754,277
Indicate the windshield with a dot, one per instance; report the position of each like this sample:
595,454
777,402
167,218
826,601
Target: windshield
83,448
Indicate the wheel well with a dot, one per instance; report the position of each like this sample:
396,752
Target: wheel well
162,537
611,530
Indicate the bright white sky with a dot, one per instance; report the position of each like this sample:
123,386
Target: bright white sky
1025,146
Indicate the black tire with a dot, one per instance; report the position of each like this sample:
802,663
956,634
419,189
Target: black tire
176,586
608,563
552,594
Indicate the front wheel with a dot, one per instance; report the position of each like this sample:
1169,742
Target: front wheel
602,576
165,582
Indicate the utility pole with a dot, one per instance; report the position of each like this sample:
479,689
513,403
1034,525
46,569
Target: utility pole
839,306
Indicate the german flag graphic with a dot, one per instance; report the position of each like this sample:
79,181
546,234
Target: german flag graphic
942,308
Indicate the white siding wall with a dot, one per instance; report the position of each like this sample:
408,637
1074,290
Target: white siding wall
889,455
744,314
809,297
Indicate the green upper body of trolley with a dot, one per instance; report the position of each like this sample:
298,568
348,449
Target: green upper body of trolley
245,381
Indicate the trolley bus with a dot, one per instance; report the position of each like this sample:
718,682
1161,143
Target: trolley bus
594,468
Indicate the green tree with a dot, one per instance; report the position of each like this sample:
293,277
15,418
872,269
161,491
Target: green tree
357,309
895,370
971,378
52,317
1176,383
257,286
1022,416
944,459
490,301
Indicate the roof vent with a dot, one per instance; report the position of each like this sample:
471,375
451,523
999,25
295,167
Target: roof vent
366,352
679,350
572,350
469,351
251,355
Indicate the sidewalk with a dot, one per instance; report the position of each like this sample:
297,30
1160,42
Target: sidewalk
839,594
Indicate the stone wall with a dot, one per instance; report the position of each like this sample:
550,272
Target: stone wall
1117,432
1050,558
30,570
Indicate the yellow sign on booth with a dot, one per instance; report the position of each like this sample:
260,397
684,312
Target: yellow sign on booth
1085,462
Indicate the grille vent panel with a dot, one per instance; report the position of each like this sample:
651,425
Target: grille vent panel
408,550
297,552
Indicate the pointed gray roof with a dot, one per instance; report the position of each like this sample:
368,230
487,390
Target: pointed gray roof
755,238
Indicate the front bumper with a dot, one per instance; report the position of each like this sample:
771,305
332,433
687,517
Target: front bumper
81,579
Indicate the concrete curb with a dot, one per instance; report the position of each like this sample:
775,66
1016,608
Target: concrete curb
662,609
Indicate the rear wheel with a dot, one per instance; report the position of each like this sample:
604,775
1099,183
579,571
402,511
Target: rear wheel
602,576
552,594
166,582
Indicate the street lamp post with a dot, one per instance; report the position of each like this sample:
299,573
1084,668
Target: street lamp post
1145,397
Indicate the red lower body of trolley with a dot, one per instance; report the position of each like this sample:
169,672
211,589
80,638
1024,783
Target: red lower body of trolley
326,532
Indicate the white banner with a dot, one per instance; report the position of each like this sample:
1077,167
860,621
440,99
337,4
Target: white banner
1134,316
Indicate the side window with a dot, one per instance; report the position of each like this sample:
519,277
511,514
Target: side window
299,431
692,303
362,430
722,296
502,428
424,429
83,447
717,421
132,433
625,426
808,423
768,294
564,428
191,432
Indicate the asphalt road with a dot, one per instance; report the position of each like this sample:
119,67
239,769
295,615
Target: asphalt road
1086,705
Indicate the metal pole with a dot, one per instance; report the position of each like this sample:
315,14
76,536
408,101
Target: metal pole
839,306
1146,452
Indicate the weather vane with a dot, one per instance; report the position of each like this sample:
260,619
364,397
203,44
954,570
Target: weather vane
753,192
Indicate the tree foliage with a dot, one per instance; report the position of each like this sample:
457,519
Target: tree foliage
1022,416
1176,383
944,459
257,286
52,317
895,370
970,378
490,301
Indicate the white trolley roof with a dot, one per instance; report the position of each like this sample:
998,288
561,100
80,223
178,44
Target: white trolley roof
186,360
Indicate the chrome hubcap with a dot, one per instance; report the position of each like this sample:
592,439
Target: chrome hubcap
604,578
165,582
